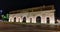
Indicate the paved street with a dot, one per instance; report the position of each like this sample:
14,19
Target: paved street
8,27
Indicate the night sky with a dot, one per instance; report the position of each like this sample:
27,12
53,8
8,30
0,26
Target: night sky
10,5
18,4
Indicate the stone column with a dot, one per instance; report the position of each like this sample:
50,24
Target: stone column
43,19
11,19
33,19
21,19
52,20
27,20
17,19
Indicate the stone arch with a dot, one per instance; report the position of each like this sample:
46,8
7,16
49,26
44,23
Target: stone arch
48,20
24,20
14,19
38,19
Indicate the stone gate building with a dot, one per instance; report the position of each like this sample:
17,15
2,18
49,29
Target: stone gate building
42,14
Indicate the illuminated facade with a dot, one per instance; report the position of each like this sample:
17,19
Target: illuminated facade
42,14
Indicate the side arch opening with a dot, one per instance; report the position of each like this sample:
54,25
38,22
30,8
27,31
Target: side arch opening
14,19
24,19
48,20
38,19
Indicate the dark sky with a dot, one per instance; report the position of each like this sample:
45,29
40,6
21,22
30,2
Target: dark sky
9,5
18,4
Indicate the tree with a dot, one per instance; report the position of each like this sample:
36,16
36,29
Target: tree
5,17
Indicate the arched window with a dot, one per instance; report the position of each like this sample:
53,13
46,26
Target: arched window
14,19
24,19
48,20
38,19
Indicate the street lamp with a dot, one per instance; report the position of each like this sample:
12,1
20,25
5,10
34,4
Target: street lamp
1,11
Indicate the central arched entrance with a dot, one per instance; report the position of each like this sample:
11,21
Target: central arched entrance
24,19
14,19
38,19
